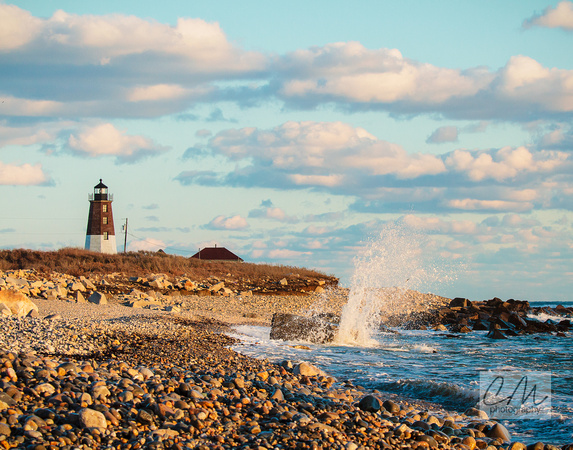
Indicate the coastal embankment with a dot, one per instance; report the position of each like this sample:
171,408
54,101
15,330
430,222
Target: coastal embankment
145,362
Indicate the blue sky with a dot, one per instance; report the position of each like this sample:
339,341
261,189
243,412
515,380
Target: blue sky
293,133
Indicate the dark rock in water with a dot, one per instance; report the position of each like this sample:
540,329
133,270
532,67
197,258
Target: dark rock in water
460,302
496,334
480,326
386,329
370,404
290,327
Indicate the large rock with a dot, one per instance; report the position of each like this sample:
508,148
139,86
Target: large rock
460,302
370,403
498,431
98,298
290,327
308,370
18,303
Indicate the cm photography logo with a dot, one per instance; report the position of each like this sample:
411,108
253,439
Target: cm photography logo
515,395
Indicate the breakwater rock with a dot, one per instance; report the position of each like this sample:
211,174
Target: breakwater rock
291,327
500,318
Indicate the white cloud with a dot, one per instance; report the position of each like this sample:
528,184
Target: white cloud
102,39
469,204
21,175
443,134
149,244
26,135
228,223
268,211
283,253
435,224
505,163
156,92
526,82
347,70
348,74
560,16
322,153
14,106
17,27
107,140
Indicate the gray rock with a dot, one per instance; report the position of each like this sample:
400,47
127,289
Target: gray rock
90,418
98,298
290,327
498,431
474,412
370,404
308,370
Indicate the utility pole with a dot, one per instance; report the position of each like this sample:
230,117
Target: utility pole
125,238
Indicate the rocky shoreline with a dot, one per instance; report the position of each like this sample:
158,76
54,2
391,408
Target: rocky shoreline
87,375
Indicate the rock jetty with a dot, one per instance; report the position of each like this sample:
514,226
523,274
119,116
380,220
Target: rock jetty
501,318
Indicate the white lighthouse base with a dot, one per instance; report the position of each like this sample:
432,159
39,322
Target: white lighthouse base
96,243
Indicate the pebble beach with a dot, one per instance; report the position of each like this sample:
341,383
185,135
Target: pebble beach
83,375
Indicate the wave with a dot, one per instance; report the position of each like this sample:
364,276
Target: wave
450,395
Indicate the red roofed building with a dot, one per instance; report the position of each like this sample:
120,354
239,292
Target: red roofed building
216,254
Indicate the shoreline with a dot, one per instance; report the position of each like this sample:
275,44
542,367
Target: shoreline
150,379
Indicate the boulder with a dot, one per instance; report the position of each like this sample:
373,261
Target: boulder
18,303
308,370
370,403
496,334
98,298
460,302
290,327
79,298
498,431
217,287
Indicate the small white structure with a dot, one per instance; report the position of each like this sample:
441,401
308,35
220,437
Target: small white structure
100,236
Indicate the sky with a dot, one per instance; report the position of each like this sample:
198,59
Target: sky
295,133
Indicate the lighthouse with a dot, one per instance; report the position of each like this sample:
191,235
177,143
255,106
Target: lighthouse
100,236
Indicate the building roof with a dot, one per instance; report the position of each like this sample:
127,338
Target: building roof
216,254
100,185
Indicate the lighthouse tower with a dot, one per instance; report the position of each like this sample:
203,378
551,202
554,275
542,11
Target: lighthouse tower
100,236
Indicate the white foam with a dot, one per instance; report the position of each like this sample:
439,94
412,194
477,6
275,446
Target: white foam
544,317
399,257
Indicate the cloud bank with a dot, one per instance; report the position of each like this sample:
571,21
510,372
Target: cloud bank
341,159
124,66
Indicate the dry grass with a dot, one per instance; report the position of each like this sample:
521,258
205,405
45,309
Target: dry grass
77,262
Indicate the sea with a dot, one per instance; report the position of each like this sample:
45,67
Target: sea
446,369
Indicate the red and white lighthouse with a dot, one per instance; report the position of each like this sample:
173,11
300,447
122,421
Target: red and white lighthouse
100,236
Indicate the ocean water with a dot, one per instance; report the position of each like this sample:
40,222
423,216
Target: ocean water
430,366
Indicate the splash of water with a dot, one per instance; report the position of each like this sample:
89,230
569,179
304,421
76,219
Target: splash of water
399,259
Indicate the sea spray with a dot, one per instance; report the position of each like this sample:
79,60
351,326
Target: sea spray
400,258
